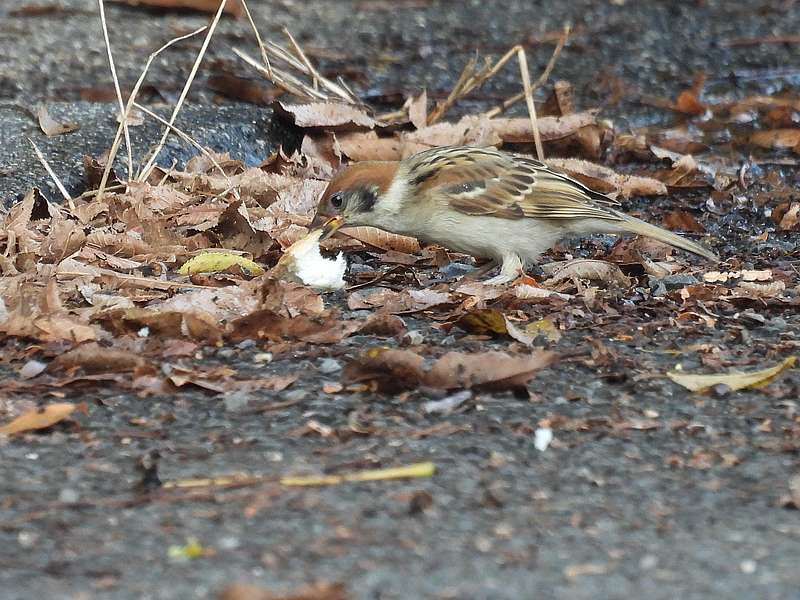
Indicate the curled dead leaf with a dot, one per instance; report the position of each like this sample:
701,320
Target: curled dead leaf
735,380
39,418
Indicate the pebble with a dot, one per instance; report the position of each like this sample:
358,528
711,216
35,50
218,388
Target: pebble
329,365
413,338
295,395
236,401
263,357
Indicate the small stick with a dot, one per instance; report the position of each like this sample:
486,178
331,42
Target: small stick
116,86
526,83
468,81
146,168
261,47
315,77
187,138
53,176
118,137
539,82
283,80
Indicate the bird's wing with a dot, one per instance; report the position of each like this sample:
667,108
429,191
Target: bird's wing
483,181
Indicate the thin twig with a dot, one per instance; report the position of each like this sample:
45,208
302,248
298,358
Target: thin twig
526,84
283,80
53,175
261,47
151,161
118,137
116,86
470,80
315,77
539,82
187,138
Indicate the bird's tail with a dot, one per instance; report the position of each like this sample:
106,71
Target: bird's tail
637,226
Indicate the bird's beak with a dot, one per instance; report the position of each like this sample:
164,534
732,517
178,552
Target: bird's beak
319,220
330,227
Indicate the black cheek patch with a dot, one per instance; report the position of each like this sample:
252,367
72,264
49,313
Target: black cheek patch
367,200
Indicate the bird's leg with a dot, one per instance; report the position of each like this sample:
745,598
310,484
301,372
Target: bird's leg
509,270
481,271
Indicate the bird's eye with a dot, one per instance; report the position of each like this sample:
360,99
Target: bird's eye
337,200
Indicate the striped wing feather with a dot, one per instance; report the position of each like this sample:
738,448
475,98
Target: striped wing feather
483,181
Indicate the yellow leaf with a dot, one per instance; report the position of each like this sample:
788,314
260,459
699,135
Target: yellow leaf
545,328
192,549
39,418
483,321
215,262
735,380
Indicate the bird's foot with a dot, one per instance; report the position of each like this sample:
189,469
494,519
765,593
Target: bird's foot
509,271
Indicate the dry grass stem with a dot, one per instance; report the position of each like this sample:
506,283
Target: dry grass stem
282,79
526,84
539,82
470,79
116,86
131,99
151,161
299,62
53,175
261,47
315,77
187,138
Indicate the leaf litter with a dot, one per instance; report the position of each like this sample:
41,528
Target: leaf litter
127,287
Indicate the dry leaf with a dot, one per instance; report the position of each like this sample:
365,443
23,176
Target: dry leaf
592,270
317,591
393,370
418,110
605,180
217,261
777,139
50,126
233,7
735,380
39,418
331,116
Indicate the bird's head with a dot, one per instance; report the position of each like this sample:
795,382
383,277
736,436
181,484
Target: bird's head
355,196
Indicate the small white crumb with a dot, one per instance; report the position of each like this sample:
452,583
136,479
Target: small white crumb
304,261
542,438
748,567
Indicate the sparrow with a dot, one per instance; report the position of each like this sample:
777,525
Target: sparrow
509,208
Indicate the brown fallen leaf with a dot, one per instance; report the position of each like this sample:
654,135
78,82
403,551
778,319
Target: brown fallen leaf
592,270
325,328
681,220
358,146
233,7
317,591
777,139
418,110
393,370
50,126
489,321
787,216
331,116
93,358
39,418
605,180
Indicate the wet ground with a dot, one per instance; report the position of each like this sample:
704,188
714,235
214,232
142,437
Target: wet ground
647,490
